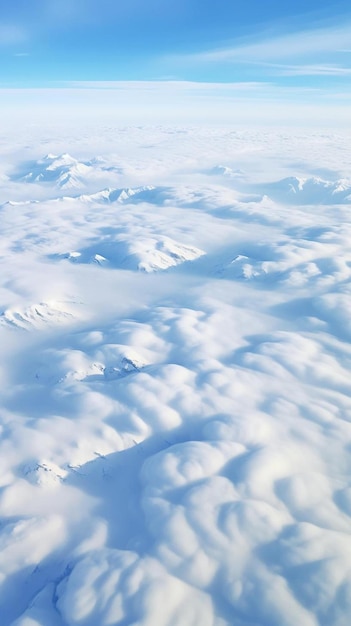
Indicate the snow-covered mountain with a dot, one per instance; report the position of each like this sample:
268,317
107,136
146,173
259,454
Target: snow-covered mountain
310,190
148,255
141,194
65,171
39,315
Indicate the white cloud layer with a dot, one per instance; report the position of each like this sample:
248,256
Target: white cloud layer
175,356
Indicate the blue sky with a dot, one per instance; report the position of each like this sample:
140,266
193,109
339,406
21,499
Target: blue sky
301,43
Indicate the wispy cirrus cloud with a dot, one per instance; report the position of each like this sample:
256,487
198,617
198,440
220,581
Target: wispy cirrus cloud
314,52
304,43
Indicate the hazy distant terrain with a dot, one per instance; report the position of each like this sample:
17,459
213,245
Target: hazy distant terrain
175,410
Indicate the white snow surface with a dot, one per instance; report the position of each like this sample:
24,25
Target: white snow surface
175,411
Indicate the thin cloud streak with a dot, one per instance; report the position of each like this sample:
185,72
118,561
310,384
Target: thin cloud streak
162,85
315,70
280,69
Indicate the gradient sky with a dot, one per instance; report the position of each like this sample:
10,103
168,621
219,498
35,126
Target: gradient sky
301,43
